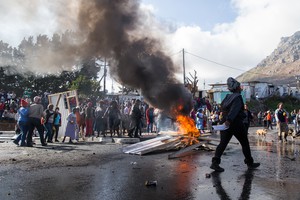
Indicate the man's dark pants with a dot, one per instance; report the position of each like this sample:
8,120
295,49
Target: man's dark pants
35,123
238,130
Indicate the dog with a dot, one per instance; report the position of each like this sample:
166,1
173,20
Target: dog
262,133
290,133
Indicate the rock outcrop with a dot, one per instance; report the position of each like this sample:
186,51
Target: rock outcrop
281,67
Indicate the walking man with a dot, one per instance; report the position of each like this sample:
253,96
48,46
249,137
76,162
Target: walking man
232,108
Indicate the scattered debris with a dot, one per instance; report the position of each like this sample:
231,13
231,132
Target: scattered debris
150,183
182,151
126,140
170,141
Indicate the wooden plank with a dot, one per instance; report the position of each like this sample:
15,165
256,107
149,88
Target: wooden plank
162,146
184,150
144,148
65,92
145,144
57,102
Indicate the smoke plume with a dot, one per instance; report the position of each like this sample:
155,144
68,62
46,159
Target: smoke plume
116,30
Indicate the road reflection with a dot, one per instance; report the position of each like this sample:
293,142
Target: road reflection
246,191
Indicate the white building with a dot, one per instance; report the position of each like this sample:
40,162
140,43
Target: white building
257,90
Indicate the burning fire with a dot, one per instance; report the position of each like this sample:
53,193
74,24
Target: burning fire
187,128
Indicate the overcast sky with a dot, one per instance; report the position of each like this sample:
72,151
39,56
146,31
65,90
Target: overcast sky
221,37
236,34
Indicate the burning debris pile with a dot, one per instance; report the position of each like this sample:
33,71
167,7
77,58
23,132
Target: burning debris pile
185,138
187,128
168,140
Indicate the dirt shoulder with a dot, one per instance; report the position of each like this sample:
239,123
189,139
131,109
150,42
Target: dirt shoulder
57,154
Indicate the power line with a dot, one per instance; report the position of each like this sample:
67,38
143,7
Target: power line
223,65
179,52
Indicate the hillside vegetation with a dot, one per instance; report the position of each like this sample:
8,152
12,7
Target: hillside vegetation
290,103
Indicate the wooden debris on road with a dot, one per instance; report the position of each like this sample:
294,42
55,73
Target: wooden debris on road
169,141
184,150
155,144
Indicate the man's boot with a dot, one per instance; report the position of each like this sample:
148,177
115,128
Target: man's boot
251,164
215,165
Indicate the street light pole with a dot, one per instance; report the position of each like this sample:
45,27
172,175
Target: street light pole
183,64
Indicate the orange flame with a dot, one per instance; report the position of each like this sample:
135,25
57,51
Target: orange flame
187,128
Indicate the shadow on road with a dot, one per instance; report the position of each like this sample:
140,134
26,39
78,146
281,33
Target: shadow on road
246,191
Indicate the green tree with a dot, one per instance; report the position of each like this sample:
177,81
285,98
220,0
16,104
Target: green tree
83,85
15,76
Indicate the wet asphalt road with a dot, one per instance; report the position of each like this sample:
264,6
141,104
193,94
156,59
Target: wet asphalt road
113,175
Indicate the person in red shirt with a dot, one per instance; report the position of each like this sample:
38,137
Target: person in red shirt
2,107
269,120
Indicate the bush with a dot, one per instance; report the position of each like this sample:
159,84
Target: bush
290,103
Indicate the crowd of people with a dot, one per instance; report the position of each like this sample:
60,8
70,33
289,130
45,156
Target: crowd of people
89,119
269,118
86,120
10,102
8,105
102,117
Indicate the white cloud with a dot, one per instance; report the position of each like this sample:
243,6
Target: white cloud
242,44
21,19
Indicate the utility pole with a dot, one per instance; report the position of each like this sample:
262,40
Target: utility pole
183,64
104,80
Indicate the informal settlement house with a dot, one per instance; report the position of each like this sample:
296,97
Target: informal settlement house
252,90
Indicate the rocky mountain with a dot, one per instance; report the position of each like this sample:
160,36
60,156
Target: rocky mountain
281,67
